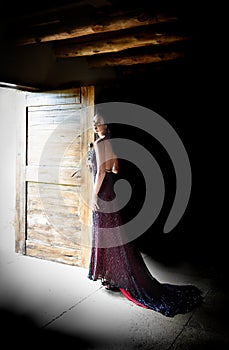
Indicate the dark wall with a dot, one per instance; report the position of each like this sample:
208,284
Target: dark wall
178,92
36,66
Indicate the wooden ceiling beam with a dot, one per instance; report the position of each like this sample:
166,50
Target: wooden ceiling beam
102,25
129,60
116,44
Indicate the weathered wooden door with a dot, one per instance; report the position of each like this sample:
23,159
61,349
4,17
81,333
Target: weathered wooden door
54,218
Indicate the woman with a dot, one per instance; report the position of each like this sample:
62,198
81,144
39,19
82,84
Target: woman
121,266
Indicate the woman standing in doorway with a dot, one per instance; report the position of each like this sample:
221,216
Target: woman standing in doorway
118,265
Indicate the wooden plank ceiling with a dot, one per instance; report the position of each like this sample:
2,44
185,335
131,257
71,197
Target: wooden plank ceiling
105,32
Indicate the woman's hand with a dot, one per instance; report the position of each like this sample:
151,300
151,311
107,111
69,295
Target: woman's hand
95,205
89,165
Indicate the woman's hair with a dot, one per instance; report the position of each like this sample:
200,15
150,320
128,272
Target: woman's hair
99,115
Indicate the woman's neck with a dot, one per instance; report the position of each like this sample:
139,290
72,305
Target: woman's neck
101,136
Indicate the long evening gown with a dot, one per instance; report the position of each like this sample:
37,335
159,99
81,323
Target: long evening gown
123,267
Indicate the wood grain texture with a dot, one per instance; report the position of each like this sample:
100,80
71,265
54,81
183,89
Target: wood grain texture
53,146
57,254
117,43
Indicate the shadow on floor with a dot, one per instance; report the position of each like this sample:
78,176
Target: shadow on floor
19,327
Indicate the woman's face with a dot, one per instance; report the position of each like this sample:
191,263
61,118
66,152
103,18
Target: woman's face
98,125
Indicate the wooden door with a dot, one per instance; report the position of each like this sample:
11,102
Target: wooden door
54,218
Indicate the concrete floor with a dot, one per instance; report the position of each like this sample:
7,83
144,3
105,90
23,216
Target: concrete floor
44,303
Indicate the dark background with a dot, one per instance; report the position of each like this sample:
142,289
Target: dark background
178,95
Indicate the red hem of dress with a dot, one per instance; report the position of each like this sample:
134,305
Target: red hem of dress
129,297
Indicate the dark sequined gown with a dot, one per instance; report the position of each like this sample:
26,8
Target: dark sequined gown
123,267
